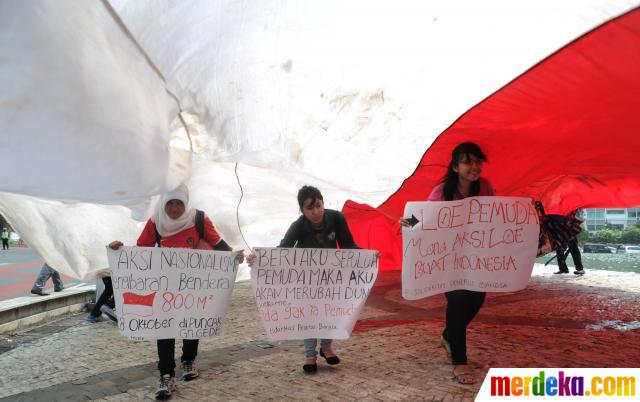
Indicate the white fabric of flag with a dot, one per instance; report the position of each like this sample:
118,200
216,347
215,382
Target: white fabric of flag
342,95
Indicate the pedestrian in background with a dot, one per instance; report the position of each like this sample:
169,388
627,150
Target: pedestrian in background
5,239
563,231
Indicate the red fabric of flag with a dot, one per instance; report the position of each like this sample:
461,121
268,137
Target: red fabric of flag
566,132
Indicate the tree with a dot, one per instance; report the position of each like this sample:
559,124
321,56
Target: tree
583,236
630,234
607,236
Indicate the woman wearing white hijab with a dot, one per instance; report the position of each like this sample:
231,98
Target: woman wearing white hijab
169,217
173,224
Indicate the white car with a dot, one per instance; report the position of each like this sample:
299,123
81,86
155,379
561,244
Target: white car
629,249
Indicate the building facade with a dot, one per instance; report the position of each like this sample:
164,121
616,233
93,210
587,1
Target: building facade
597,218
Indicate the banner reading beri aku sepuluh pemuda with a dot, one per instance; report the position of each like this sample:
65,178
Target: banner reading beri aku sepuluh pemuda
485,244
312,292
176,293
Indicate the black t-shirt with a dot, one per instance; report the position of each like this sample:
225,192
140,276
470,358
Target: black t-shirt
335,233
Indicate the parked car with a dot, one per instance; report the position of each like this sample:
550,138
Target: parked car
598,248
633,249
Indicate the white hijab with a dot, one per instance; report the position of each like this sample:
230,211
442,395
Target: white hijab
167,226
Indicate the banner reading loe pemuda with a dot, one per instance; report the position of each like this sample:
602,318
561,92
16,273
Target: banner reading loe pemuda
311,292
485,244
176,293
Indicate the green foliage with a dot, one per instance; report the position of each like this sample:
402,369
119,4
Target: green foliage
607,236
630,235
583,237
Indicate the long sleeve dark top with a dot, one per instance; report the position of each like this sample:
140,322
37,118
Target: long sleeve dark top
335,233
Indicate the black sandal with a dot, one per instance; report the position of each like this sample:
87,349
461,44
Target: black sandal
330,360
310,368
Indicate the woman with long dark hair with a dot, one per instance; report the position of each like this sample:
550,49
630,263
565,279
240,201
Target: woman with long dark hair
462,180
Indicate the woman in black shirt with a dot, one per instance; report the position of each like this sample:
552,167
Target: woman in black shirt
316,228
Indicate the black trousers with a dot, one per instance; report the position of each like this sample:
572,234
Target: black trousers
462,307
167,350
105,298
575,254
5,244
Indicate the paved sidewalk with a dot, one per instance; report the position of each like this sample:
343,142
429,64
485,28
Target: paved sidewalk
19,268
558,321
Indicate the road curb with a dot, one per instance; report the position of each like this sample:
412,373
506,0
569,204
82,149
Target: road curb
28,311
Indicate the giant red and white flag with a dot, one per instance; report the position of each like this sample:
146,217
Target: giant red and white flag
564,132
348,96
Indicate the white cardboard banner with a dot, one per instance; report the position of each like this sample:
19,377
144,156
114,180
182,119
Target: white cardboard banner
479,243
312,292
178,293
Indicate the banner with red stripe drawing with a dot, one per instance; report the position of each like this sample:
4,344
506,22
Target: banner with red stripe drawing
176,293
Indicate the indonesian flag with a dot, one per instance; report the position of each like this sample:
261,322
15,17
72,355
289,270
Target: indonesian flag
140,305
564,132
550,90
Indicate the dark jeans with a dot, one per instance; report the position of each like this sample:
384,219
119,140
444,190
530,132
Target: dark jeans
462,306
5,244
105,298
166,354
575,254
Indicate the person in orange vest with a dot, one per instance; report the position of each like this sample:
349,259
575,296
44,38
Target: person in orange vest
5,239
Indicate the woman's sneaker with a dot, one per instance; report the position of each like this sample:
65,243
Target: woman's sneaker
166,387
189,371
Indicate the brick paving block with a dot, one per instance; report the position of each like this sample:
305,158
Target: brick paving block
370,399
241,399
112,398
399,361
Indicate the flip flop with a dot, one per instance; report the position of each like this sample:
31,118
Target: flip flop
446,346
458,377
